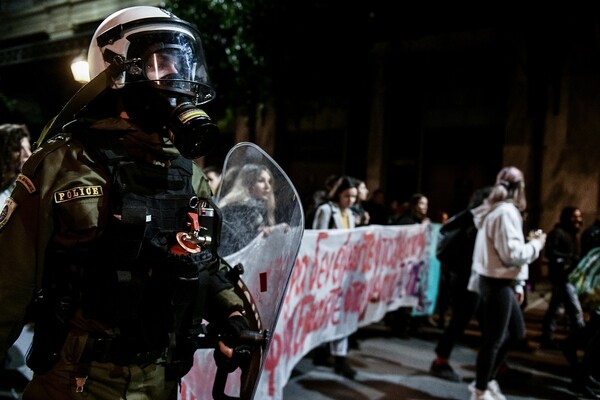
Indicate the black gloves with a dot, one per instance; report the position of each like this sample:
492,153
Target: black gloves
232,330
231,337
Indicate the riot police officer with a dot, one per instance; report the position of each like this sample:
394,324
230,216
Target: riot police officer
91,237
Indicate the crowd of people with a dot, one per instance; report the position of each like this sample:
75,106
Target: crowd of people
485,257
91,225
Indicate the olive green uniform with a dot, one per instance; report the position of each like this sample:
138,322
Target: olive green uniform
62,201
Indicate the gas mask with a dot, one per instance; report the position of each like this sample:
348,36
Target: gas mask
157,61
194,132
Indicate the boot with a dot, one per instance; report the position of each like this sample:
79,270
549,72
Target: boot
322,357
343,368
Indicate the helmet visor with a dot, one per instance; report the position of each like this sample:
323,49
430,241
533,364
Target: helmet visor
171,61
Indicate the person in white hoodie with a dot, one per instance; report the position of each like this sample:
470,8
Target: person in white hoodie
499,271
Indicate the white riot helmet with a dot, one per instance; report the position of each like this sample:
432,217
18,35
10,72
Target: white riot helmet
151,46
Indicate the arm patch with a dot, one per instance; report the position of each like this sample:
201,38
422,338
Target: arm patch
25,181
7,210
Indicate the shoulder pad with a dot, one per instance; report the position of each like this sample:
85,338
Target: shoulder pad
43,150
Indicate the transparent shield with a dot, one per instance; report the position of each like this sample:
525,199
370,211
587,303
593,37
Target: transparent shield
263,225
247,230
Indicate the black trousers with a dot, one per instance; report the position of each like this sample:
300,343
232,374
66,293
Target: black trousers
464,304
503,321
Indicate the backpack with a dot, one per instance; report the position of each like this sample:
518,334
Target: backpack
456,240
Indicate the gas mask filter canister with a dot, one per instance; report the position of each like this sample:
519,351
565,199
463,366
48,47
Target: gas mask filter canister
194,133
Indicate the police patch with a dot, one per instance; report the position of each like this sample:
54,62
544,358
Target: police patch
79,192
7,210
25,181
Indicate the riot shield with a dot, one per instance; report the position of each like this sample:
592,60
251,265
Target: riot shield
263,236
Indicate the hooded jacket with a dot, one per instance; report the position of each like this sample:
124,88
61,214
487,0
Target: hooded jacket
500,248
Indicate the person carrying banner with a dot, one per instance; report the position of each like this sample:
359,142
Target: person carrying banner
455,252
336,213
250,204
401,321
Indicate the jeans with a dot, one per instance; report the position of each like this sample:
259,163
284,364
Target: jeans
563,293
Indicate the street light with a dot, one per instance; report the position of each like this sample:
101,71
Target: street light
80,68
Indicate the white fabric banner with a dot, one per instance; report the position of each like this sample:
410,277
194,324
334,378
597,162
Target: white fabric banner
342,280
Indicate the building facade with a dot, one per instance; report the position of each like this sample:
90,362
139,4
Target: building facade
437,108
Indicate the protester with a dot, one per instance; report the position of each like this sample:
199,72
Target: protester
416,213
590,237
318,197
15,149
455,251
88,236
562,252
585,372
442,304
249,206
377,208
336,213
362,216
401,321
213,174
500,268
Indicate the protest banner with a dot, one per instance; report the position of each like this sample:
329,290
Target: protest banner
342,280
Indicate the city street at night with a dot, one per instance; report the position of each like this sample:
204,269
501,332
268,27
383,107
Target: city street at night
393,368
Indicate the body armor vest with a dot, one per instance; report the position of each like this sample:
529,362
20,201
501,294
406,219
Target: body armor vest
130,280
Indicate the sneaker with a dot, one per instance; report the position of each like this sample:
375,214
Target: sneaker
477,394
444,371
494,390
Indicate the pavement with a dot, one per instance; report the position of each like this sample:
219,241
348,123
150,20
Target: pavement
392,368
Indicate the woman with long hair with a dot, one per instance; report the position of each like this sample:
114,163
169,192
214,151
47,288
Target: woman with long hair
248,208
500,269
337,213
15,149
